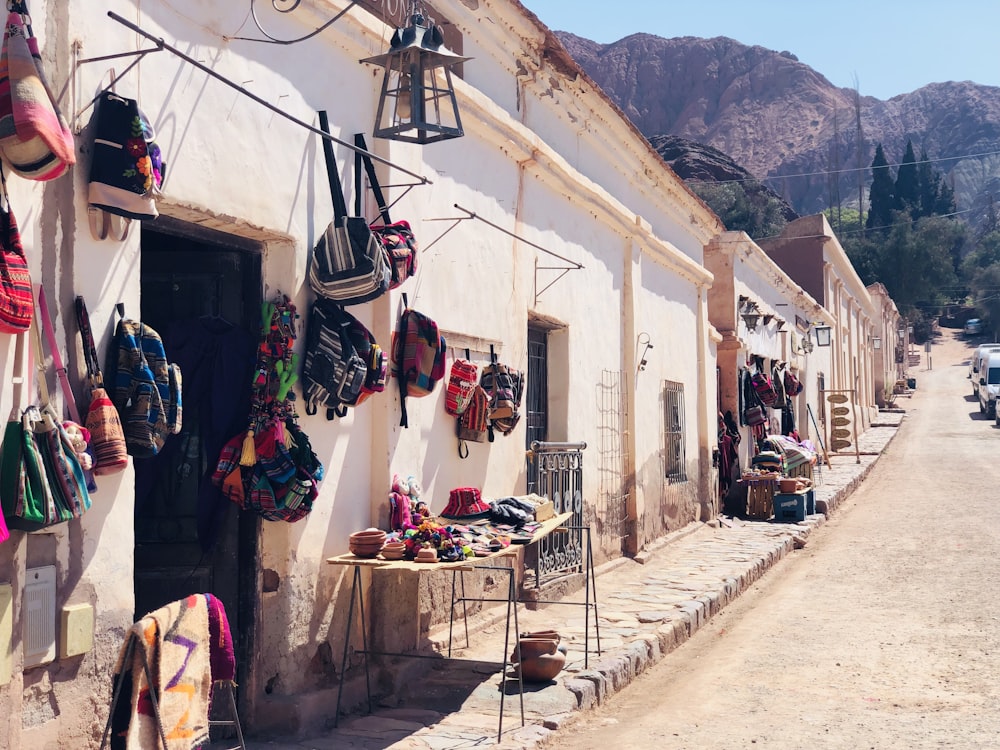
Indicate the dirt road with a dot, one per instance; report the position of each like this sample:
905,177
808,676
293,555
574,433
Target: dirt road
883,632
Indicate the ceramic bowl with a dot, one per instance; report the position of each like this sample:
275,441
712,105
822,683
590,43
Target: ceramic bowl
393,550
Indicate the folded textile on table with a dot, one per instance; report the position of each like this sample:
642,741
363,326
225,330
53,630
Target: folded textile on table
173,642
795,454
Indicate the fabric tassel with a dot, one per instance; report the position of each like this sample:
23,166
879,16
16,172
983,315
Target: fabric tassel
249,455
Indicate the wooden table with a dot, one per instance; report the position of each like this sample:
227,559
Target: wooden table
487,562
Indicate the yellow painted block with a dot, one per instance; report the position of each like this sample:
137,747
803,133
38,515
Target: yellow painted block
77,632
6,631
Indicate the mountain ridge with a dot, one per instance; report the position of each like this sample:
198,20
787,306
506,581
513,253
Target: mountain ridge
779,118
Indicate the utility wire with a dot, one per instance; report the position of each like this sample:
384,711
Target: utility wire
849,170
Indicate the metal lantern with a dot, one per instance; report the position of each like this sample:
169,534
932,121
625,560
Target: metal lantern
417,103
877,342
823,334
750,314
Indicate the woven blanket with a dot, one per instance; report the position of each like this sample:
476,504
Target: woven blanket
174,642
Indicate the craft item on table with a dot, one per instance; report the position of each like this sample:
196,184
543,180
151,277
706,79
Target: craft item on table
406,509
465,503
515,511
435,536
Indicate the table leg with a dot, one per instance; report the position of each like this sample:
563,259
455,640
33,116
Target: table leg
358,590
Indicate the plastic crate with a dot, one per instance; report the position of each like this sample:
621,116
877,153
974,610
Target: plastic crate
789,507
810,501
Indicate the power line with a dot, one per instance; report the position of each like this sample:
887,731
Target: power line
850,170
851,231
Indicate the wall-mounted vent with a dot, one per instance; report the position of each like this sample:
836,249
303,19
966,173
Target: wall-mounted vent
39,618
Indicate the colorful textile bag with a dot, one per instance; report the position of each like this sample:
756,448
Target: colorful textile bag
396,237
17,305
41,480
348,264
126,167
35,140
107,438
462,381
764,388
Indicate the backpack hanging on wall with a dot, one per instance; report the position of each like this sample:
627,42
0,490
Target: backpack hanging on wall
765,390
504,386
418,356
348,264
146,389
474,424
334,371
376,361
462,381
126,167
396,237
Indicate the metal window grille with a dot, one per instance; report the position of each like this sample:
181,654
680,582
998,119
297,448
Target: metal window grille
673,428
612,511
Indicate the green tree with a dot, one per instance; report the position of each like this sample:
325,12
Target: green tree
864,253
929,181
906,194
742,208
945,204
880,196
986,294
916,260
985,253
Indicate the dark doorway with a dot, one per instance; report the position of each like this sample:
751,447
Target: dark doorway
196,280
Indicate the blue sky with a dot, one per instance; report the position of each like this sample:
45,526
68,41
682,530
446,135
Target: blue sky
890,47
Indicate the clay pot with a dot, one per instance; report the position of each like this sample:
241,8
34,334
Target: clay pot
531,646
788,485
543,667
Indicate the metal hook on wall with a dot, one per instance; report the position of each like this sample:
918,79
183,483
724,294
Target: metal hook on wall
642,341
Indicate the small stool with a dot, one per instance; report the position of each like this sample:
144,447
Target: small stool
234,721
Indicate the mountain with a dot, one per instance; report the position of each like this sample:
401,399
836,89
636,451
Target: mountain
781,120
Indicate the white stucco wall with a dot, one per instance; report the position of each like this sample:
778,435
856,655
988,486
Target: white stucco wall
577,191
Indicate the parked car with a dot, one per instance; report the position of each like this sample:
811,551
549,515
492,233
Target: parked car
973,327
976,363
989,385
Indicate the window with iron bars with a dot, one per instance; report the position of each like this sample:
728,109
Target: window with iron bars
673,431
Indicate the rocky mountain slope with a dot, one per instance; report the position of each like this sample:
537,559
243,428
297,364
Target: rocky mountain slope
777,117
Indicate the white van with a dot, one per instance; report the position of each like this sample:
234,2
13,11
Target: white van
975,364
989,385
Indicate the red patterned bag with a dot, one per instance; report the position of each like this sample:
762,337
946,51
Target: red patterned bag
17,304
765,390
462,381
